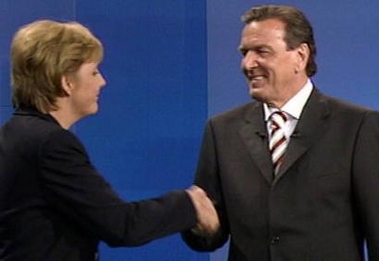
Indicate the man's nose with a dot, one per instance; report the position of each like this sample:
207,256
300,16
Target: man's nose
250,60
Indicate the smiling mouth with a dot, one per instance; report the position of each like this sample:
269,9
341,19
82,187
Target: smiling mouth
253,80
256,78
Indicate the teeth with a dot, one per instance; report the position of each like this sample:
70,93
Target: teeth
257,78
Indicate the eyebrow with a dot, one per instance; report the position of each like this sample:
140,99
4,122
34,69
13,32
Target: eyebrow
241,48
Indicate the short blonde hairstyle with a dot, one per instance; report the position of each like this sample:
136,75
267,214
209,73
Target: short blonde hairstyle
44,51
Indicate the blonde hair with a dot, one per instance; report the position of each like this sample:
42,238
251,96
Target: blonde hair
44,51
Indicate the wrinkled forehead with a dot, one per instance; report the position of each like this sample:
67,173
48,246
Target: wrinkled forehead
263,31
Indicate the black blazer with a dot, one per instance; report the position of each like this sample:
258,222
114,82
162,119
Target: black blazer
55,206
320,207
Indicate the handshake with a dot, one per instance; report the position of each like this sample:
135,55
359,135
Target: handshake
207,219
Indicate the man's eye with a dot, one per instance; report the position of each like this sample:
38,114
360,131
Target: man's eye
263,51
243,52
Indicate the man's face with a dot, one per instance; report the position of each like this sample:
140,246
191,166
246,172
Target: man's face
274,74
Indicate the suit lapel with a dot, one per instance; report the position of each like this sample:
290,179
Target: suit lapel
254,135
312,124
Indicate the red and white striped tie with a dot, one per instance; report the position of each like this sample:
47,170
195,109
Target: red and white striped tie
278,141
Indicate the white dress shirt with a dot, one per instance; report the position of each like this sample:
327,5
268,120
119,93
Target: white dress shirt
293,108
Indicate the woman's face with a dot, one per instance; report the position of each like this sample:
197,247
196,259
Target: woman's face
85,87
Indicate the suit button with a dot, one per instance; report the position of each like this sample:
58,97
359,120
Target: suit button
275,240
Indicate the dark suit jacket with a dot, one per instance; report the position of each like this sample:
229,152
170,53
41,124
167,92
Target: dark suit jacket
320,207
55,206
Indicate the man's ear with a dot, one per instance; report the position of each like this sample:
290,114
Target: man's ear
66,85
303,55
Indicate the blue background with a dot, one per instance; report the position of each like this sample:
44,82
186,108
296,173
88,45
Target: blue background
171,64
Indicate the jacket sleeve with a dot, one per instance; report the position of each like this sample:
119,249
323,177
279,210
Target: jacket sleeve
74,188
366,181
207,177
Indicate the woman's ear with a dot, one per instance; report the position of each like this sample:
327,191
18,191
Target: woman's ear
66,85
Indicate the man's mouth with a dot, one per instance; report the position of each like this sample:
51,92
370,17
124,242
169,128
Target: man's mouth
256,78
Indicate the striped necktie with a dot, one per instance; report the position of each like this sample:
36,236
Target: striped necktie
278,141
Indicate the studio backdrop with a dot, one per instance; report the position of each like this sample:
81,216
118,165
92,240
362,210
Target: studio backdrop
170,65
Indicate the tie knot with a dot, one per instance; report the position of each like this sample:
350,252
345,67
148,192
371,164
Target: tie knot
278,118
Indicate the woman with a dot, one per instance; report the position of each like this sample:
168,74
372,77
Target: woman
54,205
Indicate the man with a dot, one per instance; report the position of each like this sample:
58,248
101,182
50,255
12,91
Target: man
301,188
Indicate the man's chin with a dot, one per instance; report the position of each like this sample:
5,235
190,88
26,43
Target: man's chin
255,93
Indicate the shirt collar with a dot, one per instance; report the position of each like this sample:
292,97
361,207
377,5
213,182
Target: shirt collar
295,105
